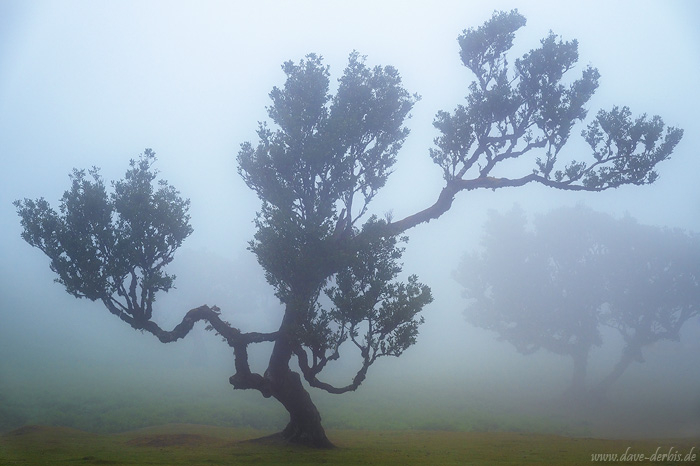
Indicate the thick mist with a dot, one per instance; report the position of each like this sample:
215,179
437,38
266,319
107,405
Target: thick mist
85,84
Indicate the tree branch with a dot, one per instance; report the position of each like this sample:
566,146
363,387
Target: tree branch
444,201
243,378
310,374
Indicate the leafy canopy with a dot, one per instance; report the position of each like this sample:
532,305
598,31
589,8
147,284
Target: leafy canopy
515,109
327,153
111,247
316,170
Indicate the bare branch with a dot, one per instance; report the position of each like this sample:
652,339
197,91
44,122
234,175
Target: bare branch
310,374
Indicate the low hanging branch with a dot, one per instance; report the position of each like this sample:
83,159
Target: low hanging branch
114,248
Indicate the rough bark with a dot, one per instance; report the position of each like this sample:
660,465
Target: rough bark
304,427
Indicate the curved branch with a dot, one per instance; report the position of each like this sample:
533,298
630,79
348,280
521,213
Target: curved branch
310,374
232,335
243,378
442,205
446,197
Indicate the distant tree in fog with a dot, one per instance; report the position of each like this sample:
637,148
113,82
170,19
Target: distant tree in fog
654,288
318,163
540,287
554,285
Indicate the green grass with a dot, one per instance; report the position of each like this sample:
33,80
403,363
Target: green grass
190,444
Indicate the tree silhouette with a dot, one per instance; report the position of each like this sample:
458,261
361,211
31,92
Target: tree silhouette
541,288
555,285
654,289
319,162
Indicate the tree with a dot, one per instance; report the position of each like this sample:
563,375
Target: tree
555,286
541,288
318,164
654,289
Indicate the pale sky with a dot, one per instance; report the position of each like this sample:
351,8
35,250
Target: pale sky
87,83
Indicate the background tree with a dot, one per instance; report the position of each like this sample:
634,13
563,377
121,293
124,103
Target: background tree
317,166
555,285
654,289
541,288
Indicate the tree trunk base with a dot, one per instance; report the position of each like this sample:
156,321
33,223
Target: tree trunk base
295,436
294,433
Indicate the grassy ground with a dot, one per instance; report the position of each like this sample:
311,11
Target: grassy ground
189,444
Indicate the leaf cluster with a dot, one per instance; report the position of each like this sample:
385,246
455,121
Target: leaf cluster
316,169
368,308
111,247
319,162
324,162
530,108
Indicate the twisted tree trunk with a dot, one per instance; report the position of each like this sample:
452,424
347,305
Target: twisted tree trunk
304,425
279,381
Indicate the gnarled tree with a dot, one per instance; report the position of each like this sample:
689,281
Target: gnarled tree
556,285
317,166
541,288
653,290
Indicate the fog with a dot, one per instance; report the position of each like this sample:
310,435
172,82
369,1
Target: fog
94,83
